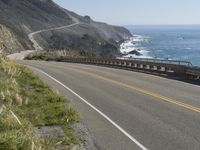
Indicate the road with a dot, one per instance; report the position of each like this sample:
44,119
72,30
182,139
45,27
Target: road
21,55
126,110
35,43
31,35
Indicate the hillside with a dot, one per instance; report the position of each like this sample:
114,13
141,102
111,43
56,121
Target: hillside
23,17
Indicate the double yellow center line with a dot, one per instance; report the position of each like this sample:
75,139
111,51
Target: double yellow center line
135,88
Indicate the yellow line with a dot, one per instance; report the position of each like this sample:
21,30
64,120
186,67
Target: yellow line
147,92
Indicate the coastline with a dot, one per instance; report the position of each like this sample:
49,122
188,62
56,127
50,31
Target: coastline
169,42
130,48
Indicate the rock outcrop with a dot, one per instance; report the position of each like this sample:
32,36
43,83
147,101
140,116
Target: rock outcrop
9,41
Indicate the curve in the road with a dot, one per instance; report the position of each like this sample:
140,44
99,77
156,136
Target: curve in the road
31,35
35,43
117,94
142,147
138,89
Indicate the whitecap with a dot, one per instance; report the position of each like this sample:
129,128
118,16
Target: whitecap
188,48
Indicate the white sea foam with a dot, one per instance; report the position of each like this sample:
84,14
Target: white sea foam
132,45
135,56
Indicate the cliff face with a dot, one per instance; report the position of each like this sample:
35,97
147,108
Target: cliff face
9,41
25,16
22,17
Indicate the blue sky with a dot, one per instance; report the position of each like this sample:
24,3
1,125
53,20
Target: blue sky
137,12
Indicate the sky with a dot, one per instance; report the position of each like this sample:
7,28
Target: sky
137,12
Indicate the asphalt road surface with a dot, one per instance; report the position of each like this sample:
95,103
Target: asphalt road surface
126,110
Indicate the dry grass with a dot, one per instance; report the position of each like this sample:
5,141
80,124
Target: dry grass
53,55
25,102
17,133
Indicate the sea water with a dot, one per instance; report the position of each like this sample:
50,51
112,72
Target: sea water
168,42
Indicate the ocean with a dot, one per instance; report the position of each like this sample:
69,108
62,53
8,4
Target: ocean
168,42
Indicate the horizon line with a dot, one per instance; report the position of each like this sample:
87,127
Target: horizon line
160,24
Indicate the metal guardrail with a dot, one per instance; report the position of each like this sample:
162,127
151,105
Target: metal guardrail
166,61
193,71
177,68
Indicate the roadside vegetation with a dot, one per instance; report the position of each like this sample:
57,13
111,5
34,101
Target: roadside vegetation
59,55
26,102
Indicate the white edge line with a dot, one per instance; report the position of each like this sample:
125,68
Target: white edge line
96,109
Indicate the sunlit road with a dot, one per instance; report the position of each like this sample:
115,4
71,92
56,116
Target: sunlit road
143,111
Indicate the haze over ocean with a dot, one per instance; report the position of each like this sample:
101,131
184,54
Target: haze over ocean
180,42
174,41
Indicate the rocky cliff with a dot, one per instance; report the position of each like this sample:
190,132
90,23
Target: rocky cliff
9,41
22,17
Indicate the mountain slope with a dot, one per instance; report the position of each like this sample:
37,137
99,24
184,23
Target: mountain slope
23,17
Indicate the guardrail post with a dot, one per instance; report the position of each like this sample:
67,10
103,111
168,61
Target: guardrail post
147,67
169,70
149,64
135,66
130,64
141,66
163,69
152,67
159,68
198,77
124,64
155,67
